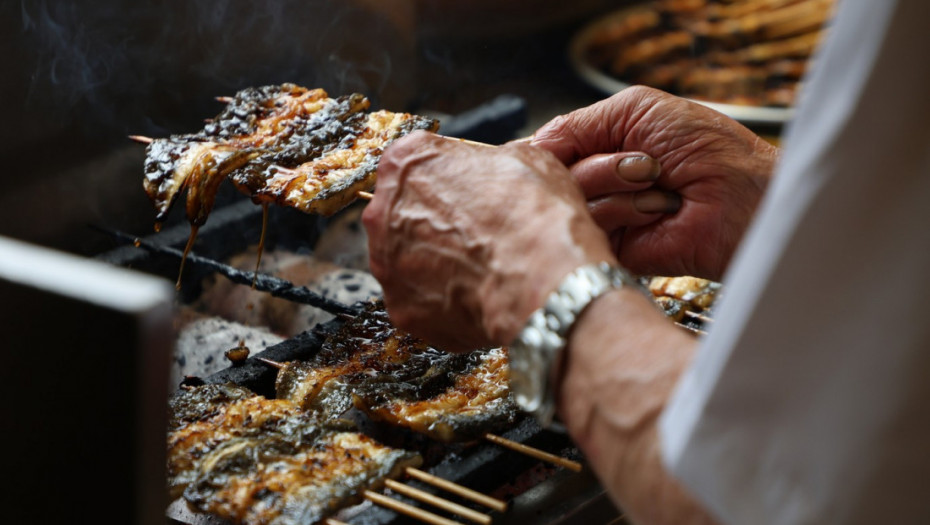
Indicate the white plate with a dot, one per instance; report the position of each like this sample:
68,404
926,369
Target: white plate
577,54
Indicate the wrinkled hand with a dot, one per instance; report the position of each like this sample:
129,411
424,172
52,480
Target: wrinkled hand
467,240
683,219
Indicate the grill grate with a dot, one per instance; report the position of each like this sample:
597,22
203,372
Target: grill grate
539,492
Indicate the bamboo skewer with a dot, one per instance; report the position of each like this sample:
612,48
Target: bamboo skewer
142,139
330,521
408,510
699,317
436,501
276,364
534,452
224,100
458,490
691,329
472,142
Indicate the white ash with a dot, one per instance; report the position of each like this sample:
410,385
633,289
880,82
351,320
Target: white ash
344,242
202,343
227,312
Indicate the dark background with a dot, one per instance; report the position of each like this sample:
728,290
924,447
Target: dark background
78,77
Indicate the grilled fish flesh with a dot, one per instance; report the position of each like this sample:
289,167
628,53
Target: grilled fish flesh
476,402
686,300
397,378
281,144
252,460
695,292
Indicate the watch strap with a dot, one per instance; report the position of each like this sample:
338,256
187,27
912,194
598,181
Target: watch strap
536,353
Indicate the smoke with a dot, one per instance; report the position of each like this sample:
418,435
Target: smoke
154,66
80,76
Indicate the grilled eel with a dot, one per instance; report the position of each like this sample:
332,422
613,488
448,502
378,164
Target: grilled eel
281,144
686,300
399,379
252,460
745,52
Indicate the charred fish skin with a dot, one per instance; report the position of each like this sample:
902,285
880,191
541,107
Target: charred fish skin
282,144
364,351
188,405
237,134
239,118
398,379
275,482
223,419
327,183
253,460
305,136
472,399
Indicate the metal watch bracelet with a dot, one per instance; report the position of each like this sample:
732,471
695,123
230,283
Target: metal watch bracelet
536,353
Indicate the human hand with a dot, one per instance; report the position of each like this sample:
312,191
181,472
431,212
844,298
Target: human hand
468,240
717,168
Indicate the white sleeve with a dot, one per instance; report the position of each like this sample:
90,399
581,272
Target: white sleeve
809,400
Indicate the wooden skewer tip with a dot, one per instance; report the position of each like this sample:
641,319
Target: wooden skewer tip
534,452
277,364
141,138
699,317
224,100
438,502
408,510
367,195
458,490
472,142
330,521
691,329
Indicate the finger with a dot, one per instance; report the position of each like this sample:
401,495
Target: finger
619,210
616,240
608,173
599,128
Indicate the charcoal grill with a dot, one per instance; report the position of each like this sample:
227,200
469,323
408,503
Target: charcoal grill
539,492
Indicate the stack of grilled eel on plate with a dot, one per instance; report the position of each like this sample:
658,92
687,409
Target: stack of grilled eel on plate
748,52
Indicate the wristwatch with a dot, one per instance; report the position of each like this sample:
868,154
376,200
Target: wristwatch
536,353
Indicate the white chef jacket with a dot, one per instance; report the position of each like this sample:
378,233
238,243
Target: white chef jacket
809,400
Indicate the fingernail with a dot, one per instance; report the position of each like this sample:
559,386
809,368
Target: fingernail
656,202
638,169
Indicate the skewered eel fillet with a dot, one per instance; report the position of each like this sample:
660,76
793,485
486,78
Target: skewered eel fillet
281,144
253,460
686,300
397,378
